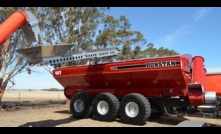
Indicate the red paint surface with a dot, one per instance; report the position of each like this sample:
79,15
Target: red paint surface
12,24
198,70
196,97
213,83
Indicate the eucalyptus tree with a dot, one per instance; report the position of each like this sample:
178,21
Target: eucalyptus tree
11,63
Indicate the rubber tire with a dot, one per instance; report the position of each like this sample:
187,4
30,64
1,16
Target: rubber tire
143,105
113,104
87,100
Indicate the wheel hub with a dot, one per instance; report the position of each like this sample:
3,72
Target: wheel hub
132,109
102,107
79,105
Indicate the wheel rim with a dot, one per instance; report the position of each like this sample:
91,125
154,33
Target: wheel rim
132,109
79,105
102,107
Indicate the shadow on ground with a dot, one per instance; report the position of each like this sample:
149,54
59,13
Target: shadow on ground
63,112
164,119
167,119
49,123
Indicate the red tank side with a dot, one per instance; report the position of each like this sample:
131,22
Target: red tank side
213,83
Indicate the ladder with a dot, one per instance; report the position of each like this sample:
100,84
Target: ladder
57,54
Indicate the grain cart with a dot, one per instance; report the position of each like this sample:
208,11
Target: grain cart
132,89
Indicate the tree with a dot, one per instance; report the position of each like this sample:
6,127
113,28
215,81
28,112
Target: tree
152,52
137,51
11,63
117,34
72,25
126,36
139,41
108,36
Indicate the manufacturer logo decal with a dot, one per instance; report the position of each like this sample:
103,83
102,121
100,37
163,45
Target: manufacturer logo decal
148,65
57,72
161,64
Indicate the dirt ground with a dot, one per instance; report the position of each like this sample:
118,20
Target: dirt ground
54,113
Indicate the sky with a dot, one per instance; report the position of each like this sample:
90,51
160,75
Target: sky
187,30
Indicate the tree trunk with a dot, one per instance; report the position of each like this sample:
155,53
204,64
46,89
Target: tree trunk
128,56
1,96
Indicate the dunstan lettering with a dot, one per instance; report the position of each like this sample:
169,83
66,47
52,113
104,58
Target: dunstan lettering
152,64
173,63
163,63
168,63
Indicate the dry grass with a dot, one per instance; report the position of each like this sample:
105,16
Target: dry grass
22,95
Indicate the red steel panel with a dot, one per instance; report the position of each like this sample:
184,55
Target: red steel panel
213,83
